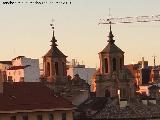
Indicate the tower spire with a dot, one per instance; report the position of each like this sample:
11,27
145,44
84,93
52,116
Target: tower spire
111,35
53,41
110,28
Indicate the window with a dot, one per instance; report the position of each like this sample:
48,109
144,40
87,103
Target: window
56,68
13,118
51,117
21,79
14,72
123,93
25,117
63,116
9,78
39,117
106,65
48,69
19,72
107,93
114,64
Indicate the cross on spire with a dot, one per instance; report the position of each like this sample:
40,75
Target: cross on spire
110,28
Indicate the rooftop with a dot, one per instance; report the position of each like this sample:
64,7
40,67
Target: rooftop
19,96
18,67
18,57
6,62
111,48
133,111
55,53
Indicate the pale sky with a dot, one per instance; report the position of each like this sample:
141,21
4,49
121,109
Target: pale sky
25,30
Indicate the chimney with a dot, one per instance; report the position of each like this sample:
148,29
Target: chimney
1,87
142,62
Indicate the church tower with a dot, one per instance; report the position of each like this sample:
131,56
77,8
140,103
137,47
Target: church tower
54,63
111,65
111,57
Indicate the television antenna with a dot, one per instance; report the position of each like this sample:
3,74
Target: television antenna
154,59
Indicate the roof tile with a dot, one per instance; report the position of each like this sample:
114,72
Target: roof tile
30,96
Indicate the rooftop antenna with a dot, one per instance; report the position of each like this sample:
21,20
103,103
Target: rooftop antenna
142,62
154,59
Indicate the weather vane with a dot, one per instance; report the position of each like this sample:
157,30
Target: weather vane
52,25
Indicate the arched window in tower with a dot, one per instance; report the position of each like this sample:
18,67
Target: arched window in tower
56,68
106,65
48,69
114,64
120,65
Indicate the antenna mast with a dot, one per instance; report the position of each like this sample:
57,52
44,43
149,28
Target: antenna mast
154,59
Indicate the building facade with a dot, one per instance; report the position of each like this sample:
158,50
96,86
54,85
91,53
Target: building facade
144,76
4,65
24,70
82,71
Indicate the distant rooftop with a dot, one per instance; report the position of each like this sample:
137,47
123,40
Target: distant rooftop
18,67
18,57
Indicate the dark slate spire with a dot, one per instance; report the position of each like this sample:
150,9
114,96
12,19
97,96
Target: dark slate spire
53,41
111,47
54,52
111,35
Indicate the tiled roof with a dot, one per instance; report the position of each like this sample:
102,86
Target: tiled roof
153,87
54,52
30,96
95,103
111,48
18,67
6,62
133,111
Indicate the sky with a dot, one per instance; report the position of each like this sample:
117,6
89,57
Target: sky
25,29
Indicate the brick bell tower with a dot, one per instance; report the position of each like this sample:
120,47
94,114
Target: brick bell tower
111,64
54,63
111,57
